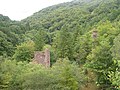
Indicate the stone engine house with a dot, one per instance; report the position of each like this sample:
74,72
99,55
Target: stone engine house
42,58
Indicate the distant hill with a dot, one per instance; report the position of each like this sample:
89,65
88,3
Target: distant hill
83,15
78,12
10,34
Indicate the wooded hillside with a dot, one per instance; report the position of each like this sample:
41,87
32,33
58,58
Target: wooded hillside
83,37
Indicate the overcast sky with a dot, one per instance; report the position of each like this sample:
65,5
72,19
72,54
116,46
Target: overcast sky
20,9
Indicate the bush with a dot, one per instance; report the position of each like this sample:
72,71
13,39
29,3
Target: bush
63,75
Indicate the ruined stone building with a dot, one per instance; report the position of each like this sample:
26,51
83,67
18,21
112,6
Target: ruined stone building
95,34
42,58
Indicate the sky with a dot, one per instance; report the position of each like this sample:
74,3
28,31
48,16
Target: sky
20,9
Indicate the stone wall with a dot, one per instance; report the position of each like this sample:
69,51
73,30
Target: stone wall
42,58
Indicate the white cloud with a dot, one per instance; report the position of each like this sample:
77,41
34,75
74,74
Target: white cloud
20,9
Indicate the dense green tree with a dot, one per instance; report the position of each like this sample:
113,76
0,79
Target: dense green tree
116,49
63,43
114,76
10,73
82,48
66,76
13,73
10,35
6,47
100,58
38,78
62,76
24,52
102,63
39,40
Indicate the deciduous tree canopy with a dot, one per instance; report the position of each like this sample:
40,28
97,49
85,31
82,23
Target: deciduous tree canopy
86,32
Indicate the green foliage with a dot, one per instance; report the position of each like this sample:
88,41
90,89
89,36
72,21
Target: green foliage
10,35
63,44
67,76
116,49
115,76
6,47
115,79
100,58
101,62
36,78
66,29
82,47
39,40
24,52
10,73
28,76
62,76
